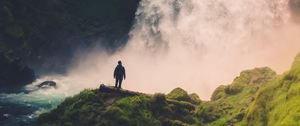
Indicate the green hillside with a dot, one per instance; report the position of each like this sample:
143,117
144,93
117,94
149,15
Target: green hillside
257,97
277,103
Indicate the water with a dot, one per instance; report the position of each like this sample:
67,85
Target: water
20,109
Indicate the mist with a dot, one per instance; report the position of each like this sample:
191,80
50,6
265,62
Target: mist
192,44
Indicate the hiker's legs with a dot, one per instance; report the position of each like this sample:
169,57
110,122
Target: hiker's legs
116,84
120,83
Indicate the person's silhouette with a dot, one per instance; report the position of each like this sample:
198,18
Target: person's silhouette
119,74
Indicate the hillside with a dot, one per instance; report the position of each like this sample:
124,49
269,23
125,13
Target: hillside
95,107
277,103
256,97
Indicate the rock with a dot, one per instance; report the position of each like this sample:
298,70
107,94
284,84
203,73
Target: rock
47,84
105,89
111,89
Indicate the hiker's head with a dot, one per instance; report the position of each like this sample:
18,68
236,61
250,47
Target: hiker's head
120,62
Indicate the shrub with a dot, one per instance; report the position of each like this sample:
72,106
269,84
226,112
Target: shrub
179,94
218,93
233,89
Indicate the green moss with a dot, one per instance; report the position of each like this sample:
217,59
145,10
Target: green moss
179,94
255,76
277,104
258,97
296,63
218,93
116,109
195,98
176,108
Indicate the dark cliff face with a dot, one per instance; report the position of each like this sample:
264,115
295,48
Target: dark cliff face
13,74
45,34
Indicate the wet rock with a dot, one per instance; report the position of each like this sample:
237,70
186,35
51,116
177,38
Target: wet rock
47,84
111,89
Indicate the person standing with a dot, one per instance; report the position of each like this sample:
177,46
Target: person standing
119,74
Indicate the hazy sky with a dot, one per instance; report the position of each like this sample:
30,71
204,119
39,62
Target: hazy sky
196,45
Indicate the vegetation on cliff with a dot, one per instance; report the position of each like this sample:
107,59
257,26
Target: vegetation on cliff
277,103
256,97
92,107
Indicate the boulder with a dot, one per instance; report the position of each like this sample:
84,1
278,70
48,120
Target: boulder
111,89
47,84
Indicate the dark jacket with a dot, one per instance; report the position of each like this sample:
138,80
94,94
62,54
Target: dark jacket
119,72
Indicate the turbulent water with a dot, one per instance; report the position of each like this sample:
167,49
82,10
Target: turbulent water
193,44
19,109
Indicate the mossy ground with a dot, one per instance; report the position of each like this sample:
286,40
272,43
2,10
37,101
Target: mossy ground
257,97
